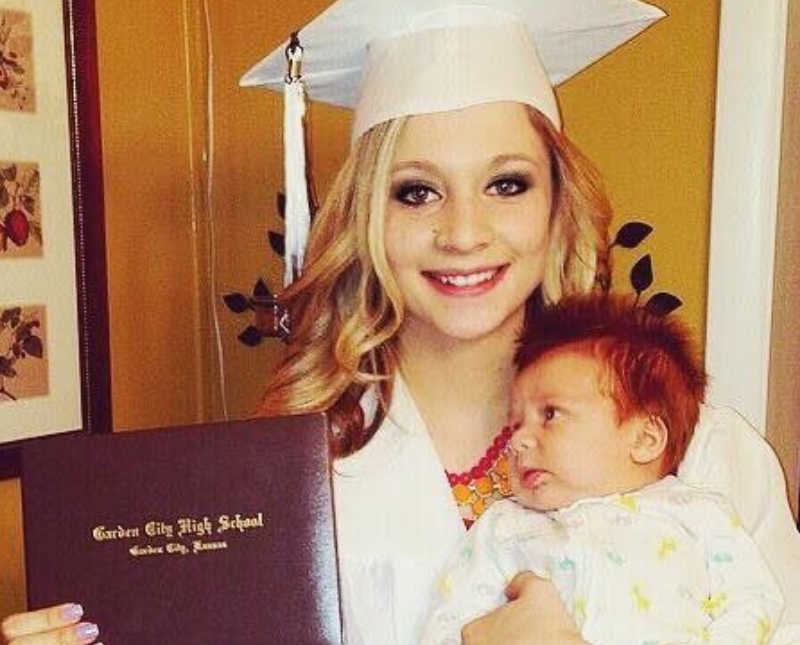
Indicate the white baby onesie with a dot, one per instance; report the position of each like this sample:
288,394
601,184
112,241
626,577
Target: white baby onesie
669,563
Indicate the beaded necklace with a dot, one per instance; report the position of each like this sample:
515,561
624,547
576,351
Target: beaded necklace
475,489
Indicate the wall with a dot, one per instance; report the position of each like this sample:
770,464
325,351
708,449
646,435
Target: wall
152,163
12,572
783,404
644,114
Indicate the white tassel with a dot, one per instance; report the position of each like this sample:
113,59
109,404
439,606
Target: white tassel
298,214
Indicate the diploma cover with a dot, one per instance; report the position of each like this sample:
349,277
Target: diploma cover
217,533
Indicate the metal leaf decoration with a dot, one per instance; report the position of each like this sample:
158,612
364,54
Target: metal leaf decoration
280,204
662,304
632,234
276,242
271,318
629,236
642,274
250,336
236,302
261,291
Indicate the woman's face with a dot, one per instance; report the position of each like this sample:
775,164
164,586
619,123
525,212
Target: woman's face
467,220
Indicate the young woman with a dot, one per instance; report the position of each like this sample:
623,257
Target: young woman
481,212
460,205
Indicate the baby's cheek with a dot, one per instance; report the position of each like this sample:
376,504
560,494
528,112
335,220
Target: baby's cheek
514,478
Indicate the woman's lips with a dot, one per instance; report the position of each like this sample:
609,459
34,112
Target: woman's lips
465,283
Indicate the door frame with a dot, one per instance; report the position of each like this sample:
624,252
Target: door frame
747,143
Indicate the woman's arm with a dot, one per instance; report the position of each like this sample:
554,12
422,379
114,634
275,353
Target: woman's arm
50,626
534,615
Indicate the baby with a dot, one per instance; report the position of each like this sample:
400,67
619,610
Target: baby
603,407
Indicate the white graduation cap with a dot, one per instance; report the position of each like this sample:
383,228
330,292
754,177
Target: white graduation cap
392,58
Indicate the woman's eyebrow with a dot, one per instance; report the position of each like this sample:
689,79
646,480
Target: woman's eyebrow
497,160
414,165
502,159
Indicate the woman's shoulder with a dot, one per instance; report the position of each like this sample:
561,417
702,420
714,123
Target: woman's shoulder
723,443
729,456
399,427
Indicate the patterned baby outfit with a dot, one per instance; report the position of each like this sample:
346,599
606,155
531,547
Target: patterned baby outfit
669,563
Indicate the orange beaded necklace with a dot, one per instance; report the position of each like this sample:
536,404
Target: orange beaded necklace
475,489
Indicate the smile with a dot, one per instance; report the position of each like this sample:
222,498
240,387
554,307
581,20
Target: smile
455,283
467,280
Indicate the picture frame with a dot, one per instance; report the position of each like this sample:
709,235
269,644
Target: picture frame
55,133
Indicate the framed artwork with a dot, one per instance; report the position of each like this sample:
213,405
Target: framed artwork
54,358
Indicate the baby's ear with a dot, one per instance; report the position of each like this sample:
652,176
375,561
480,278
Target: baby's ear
648,440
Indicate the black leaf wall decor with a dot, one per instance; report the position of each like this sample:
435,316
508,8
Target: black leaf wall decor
629,236
261,291
277,240
251,336
237,302
642,275
277,243
271,318
663,303
632,234
280,204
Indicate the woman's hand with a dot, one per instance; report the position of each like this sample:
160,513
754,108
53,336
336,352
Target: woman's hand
57,625
534,615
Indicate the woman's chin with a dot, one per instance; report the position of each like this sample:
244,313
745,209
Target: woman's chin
466,326
469,328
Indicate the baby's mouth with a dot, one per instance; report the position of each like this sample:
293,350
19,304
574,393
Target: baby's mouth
532,478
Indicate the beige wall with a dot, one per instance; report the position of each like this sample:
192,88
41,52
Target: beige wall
644,114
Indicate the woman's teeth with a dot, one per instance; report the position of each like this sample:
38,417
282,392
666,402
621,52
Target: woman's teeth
469,280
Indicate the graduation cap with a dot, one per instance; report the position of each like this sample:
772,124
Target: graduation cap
391,58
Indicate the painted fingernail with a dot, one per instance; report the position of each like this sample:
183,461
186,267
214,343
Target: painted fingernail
86,632
71,612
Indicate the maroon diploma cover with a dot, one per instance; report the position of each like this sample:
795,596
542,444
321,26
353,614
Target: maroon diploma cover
219,533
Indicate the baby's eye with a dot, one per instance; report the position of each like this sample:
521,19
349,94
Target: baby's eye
415,194
509,186
549,413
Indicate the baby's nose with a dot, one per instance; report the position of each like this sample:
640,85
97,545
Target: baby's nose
523,439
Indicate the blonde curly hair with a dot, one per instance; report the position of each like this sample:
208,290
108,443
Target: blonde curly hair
346,308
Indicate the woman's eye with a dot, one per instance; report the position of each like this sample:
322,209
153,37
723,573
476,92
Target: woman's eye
508,186
415,194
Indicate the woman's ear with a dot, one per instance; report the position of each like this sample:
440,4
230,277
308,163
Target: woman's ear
648,440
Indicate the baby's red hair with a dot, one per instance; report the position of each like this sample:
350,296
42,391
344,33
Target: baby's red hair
651,364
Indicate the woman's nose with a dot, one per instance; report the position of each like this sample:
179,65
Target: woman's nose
464,226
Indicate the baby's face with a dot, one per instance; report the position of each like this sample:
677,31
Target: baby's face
567,443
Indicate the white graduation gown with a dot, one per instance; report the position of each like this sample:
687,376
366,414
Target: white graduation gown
397,523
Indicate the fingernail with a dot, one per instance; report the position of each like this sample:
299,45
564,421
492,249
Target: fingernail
71,612
86,632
